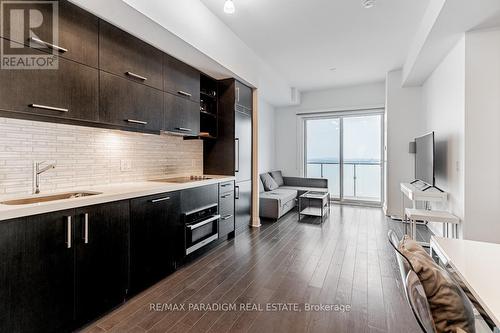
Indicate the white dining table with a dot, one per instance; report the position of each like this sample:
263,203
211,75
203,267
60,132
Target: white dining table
478,265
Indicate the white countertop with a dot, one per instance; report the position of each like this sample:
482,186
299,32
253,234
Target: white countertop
110,193
477,265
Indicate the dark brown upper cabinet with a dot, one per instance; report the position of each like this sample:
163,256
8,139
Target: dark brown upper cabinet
181,79
68,92
181,115
126,103
77,32
243,95
127,56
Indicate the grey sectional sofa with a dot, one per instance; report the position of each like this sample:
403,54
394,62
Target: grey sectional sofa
278,198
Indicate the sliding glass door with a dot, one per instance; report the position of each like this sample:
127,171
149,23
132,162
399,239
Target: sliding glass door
323,152
347,150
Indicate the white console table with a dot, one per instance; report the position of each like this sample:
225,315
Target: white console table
415,193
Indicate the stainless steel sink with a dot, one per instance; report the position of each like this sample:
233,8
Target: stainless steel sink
47,198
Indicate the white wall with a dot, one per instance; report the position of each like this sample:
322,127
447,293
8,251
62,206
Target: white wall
402,124
443,96
267,142
482,136
288,126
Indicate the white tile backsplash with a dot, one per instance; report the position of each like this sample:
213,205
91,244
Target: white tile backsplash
87,156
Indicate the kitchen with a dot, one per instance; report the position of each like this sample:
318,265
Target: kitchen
117,168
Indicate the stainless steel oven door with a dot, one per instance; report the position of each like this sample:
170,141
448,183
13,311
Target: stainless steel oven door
201,233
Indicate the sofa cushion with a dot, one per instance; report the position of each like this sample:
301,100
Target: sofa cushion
268,181
278,177
449,306
283,196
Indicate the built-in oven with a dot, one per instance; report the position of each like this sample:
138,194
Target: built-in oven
201,227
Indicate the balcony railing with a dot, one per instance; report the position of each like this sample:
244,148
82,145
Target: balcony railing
362,179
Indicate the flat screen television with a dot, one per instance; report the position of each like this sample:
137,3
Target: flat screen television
424,159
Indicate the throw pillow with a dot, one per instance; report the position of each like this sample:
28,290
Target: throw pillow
278,178
268,182
411,245
451,310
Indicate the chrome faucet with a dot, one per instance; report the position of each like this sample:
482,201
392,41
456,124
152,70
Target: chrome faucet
37,171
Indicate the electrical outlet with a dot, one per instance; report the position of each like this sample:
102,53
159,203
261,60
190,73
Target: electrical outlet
125,165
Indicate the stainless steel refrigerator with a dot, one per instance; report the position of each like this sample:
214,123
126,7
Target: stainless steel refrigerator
243,166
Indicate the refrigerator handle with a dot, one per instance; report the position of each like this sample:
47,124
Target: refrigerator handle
236,192
237,155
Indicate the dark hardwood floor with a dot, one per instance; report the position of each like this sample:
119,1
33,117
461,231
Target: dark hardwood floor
345,261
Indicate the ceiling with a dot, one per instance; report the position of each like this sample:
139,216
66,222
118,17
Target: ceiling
304,39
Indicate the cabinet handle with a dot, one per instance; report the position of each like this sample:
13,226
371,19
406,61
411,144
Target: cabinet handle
237,157
237,192
183,93
160,200
225,185
226,196
49,45
68,232
136,76
46,107
86,228
237,94
183,129
227,217
137,121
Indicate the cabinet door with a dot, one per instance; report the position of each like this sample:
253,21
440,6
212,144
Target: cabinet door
126,103
181,115
77,32
243,146
69,92
198,197
181,79
127,56
243,204
152,220
226,208
243,95
12,241
101,240
47,266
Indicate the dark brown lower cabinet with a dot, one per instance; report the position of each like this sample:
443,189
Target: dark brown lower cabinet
44,292
101,244
152,234
47,268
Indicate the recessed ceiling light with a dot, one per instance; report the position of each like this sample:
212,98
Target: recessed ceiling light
368,3
229,7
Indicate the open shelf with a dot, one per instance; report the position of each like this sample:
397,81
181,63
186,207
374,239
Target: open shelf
208,107
208,114
313,211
